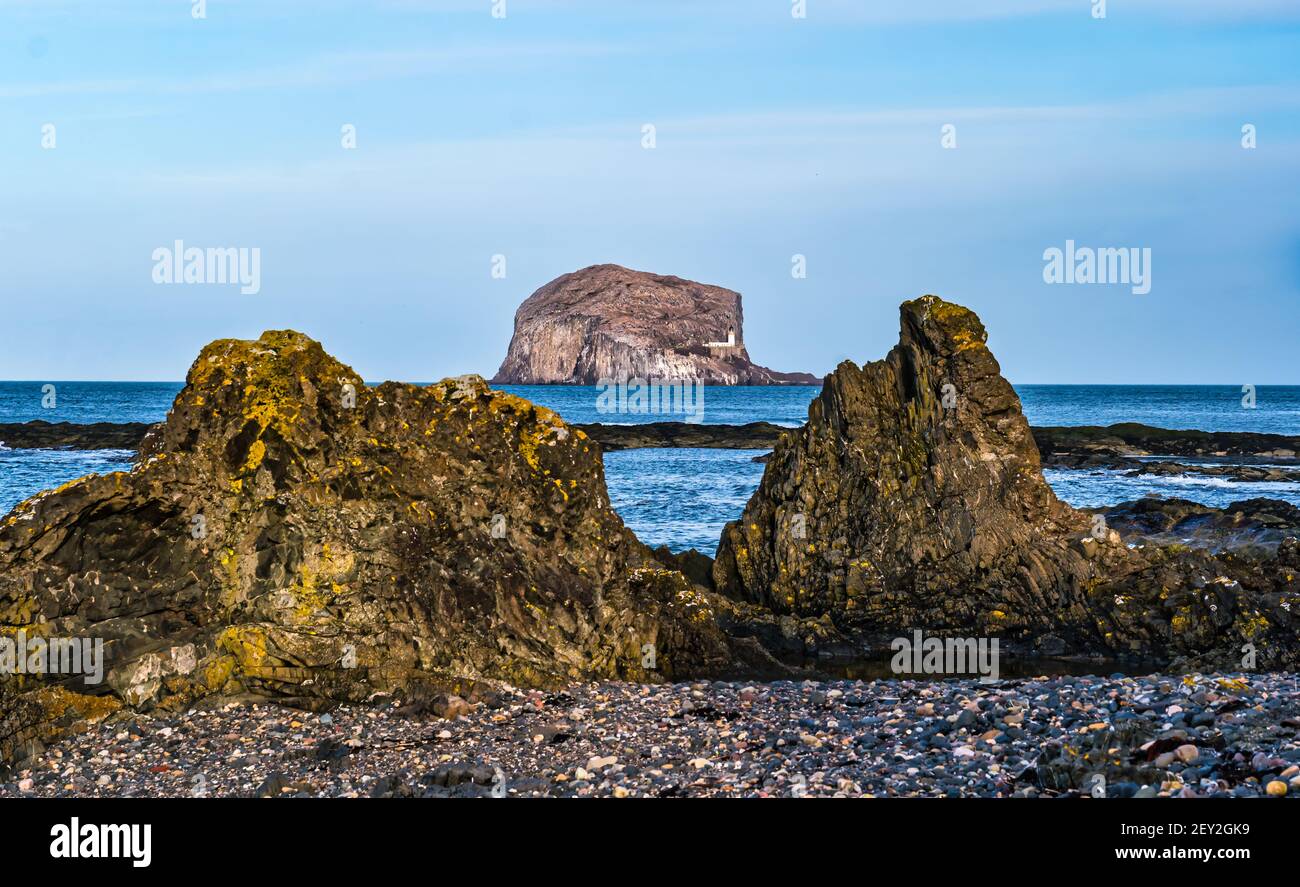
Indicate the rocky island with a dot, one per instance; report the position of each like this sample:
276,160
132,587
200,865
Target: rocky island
607,322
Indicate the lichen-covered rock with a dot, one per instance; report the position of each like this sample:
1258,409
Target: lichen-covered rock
292,532
914,499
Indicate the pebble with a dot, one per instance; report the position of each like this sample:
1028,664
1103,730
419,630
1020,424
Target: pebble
1035,737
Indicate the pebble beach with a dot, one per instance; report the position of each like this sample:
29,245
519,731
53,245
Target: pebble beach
1068,736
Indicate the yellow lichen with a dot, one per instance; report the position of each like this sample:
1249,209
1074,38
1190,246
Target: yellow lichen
256,453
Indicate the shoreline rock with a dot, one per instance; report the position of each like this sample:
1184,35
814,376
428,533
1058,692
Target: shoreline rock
40,435
750,436
1246,458
293,533
1129,439
914,499
1253,527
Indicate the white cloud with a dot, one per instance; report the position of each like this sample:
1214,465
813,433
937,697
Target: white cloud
755,163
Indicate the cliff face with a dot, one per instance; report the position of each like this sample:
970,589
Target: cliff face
607,323
913,499
291,532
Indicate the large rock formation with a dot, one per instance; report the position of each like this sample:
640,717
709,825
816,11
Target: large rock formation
607,323
914,499
291,532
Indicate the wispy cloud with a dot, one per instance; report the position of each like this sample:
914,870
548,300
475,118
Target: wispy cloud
759,161
331,69
812,124
872,12
935,11
875,12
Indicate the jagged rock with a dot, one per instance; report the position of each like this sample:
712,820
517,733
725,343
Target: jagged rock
291,532
914,499
890,506
608,323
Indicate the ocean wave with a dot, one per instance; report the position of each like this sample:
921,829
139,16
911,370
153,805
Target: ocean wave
1092,488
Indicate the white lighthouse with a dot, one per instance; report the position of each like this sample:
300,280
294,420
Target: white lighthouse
728,348
730,343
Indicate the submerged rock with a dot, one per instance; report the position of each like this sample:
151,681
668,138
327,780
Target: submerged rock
291,532
609,323
1252,526
914,499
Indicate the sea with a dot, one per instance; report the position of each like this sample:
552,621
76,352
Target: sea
682,497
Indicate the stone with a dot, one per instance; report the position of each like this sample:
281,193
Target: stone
451,707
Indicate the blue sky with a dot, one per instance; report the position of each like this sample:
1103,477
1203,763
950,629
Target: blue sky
775,136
